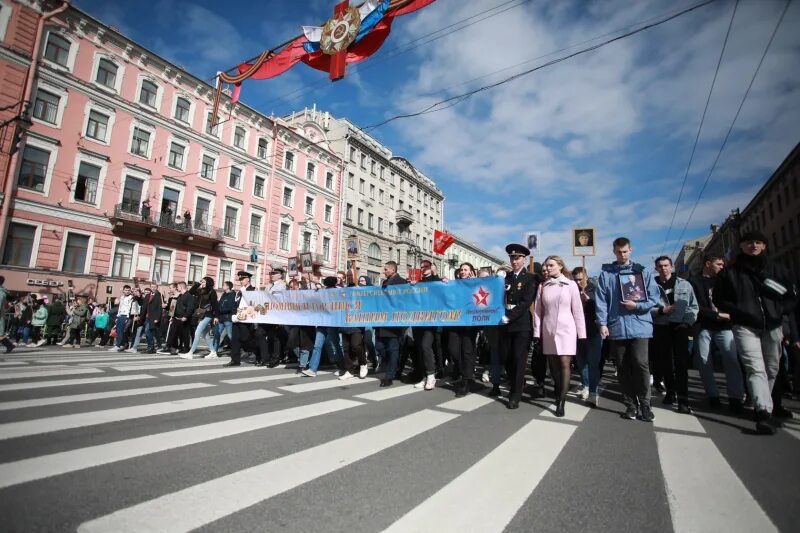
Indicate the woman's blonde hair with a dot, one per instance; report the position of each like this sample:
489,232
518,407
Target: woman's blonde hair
564,270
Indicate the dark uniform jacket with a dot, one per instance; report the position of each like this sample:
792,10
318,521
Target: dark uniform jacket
397,279
520,293
153,308
184,306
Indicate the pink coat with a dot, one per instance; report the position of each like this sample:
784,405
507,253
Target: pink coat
558,319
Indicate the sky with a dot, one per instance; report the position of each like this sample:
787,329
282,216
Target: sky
600,140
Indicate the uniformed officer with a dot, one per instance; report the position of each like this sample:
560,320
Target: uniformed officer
277,335
518,321
242,333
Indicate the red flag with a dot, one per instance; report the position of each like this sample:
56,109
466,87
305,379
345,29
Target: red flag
442,241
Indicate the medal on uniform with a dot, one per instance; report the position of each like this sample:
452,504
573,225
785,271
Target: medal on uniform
519,285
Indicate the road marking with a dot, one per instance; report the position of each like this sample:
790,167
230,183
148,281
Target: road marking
170,364
271,377
213,371
68,382
10,363
388,393
574,412
70,461
504,484
325,384
40,402
35,368
57,423
71,371
468,403
704,492
108,358
672,420
190,508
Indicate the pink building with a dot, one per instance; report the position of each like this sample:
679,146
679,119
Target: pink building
121,178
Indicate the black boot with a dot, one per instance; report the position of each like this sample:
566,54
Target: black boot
560,408
495,392
8,344
763,427
463,388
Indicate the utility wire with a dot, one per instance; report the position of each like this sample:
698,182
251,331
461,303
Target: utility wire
733,122
700,128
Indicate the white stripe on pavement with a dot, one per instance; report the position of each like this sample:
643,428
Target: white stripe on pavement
68,382
672,420
704,492
170,364
468,403
52,400
325,384
212,371
70,461
71,371
388,393
271,377
106,358
574,412
10,363
58,423
504,484
190,508
35,368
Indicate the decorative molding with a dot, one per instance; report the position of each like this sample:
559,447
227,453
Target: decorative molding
64,213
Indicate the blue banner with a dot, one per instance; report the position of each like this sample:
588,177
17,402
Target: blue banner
470,302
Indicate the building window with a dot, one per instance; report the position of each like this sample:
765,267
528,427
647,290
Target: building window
202,213
258,187
140,143
350,180
363,161
360,217
380,225
287,197
57,49
391,229
381,171
106,74
225,272
182,108
161,266
235,178
348,214
310,171
328,213
45,108
230,221
284,237
33,171
374,253
176,152
352,154
288,162
306,241
207,167
97,126
391,201
76,250
86,186
195,268
262,148
19,245
309,206
371,221
361,186
329,180
372,191
380,196
326,248
132,194
255,229
372,167
122,263
148,93
238,137
209,130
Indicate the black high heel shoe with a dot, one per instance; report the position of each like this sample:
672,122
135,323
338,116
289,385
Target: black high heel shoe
560,408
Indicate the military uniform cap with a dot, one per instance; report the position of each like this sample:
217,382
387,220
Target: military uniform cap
277,270
243,274
518,250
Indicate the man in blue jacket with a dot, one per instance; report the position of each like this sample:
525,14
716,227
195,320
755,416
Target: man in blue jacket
628,325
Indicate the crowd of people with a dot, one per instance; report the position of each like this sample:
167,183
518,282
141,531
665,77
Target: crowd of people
651,324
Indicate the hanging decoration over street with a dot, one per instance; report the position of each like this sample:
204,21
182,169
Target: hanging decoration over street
351,35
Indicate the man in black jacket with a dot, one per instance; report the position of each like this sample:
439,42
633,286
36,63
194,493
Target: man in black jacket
180,322
424,336
714,326
388,339
756,295
152,307
242,334
518,321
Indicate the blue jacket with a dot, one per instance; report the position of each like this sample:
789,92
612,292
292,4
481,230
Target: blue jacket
621,323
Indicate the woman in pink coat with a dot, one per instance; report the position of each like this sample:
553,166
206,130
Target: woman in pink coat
559,323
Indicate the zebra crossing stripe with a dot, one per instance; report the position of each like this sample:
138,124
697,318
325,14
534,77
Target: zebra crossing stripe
105,358
387,393
53,400
54,464
467,403
270,377
57,423
69,371
169,364
204,371
13,363
704,492
190,508
68,382
504,484
668,419
325,384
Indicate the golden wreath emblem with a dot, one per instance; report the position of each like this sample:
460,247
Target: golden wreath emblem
340,31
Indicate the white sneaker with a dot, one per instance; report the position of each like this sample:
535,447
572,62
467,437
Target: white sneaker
430,382
363,370
41,343
131,350
163,352
651,379
585,394
593,400
309,373
212,355
187,355
420,385
114,349
346,375
485,376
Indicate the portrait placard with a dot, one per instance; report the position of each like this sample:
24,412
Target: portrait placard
632,287
583,241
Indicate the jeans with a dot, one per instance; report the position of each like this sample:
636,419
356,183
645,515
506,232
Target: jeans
203,327
633,370
724,342
588,361
137,338
223,327
392,346
760,353
26,334
119,325
325,337
150,330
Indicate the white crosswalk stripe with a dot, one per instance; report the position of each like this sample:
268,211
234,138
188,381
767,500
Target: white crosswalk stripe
71,382
40,373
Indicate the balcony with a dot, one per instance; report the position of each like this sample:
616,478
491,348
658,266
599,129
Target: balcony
130,218
404,217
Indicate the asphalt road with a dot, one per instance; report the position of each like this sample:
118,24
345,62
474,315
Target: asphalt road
93,441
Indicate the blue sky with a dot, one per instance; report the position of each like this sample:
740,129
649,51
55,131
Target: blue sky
600,140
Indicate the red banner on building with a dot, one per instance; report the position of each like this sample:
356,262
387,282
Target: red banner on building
442,241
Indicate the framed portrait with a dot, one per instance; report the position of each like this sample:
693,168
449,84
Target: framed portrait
293,262
532,241
632,287
352,247
583,241
305,262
